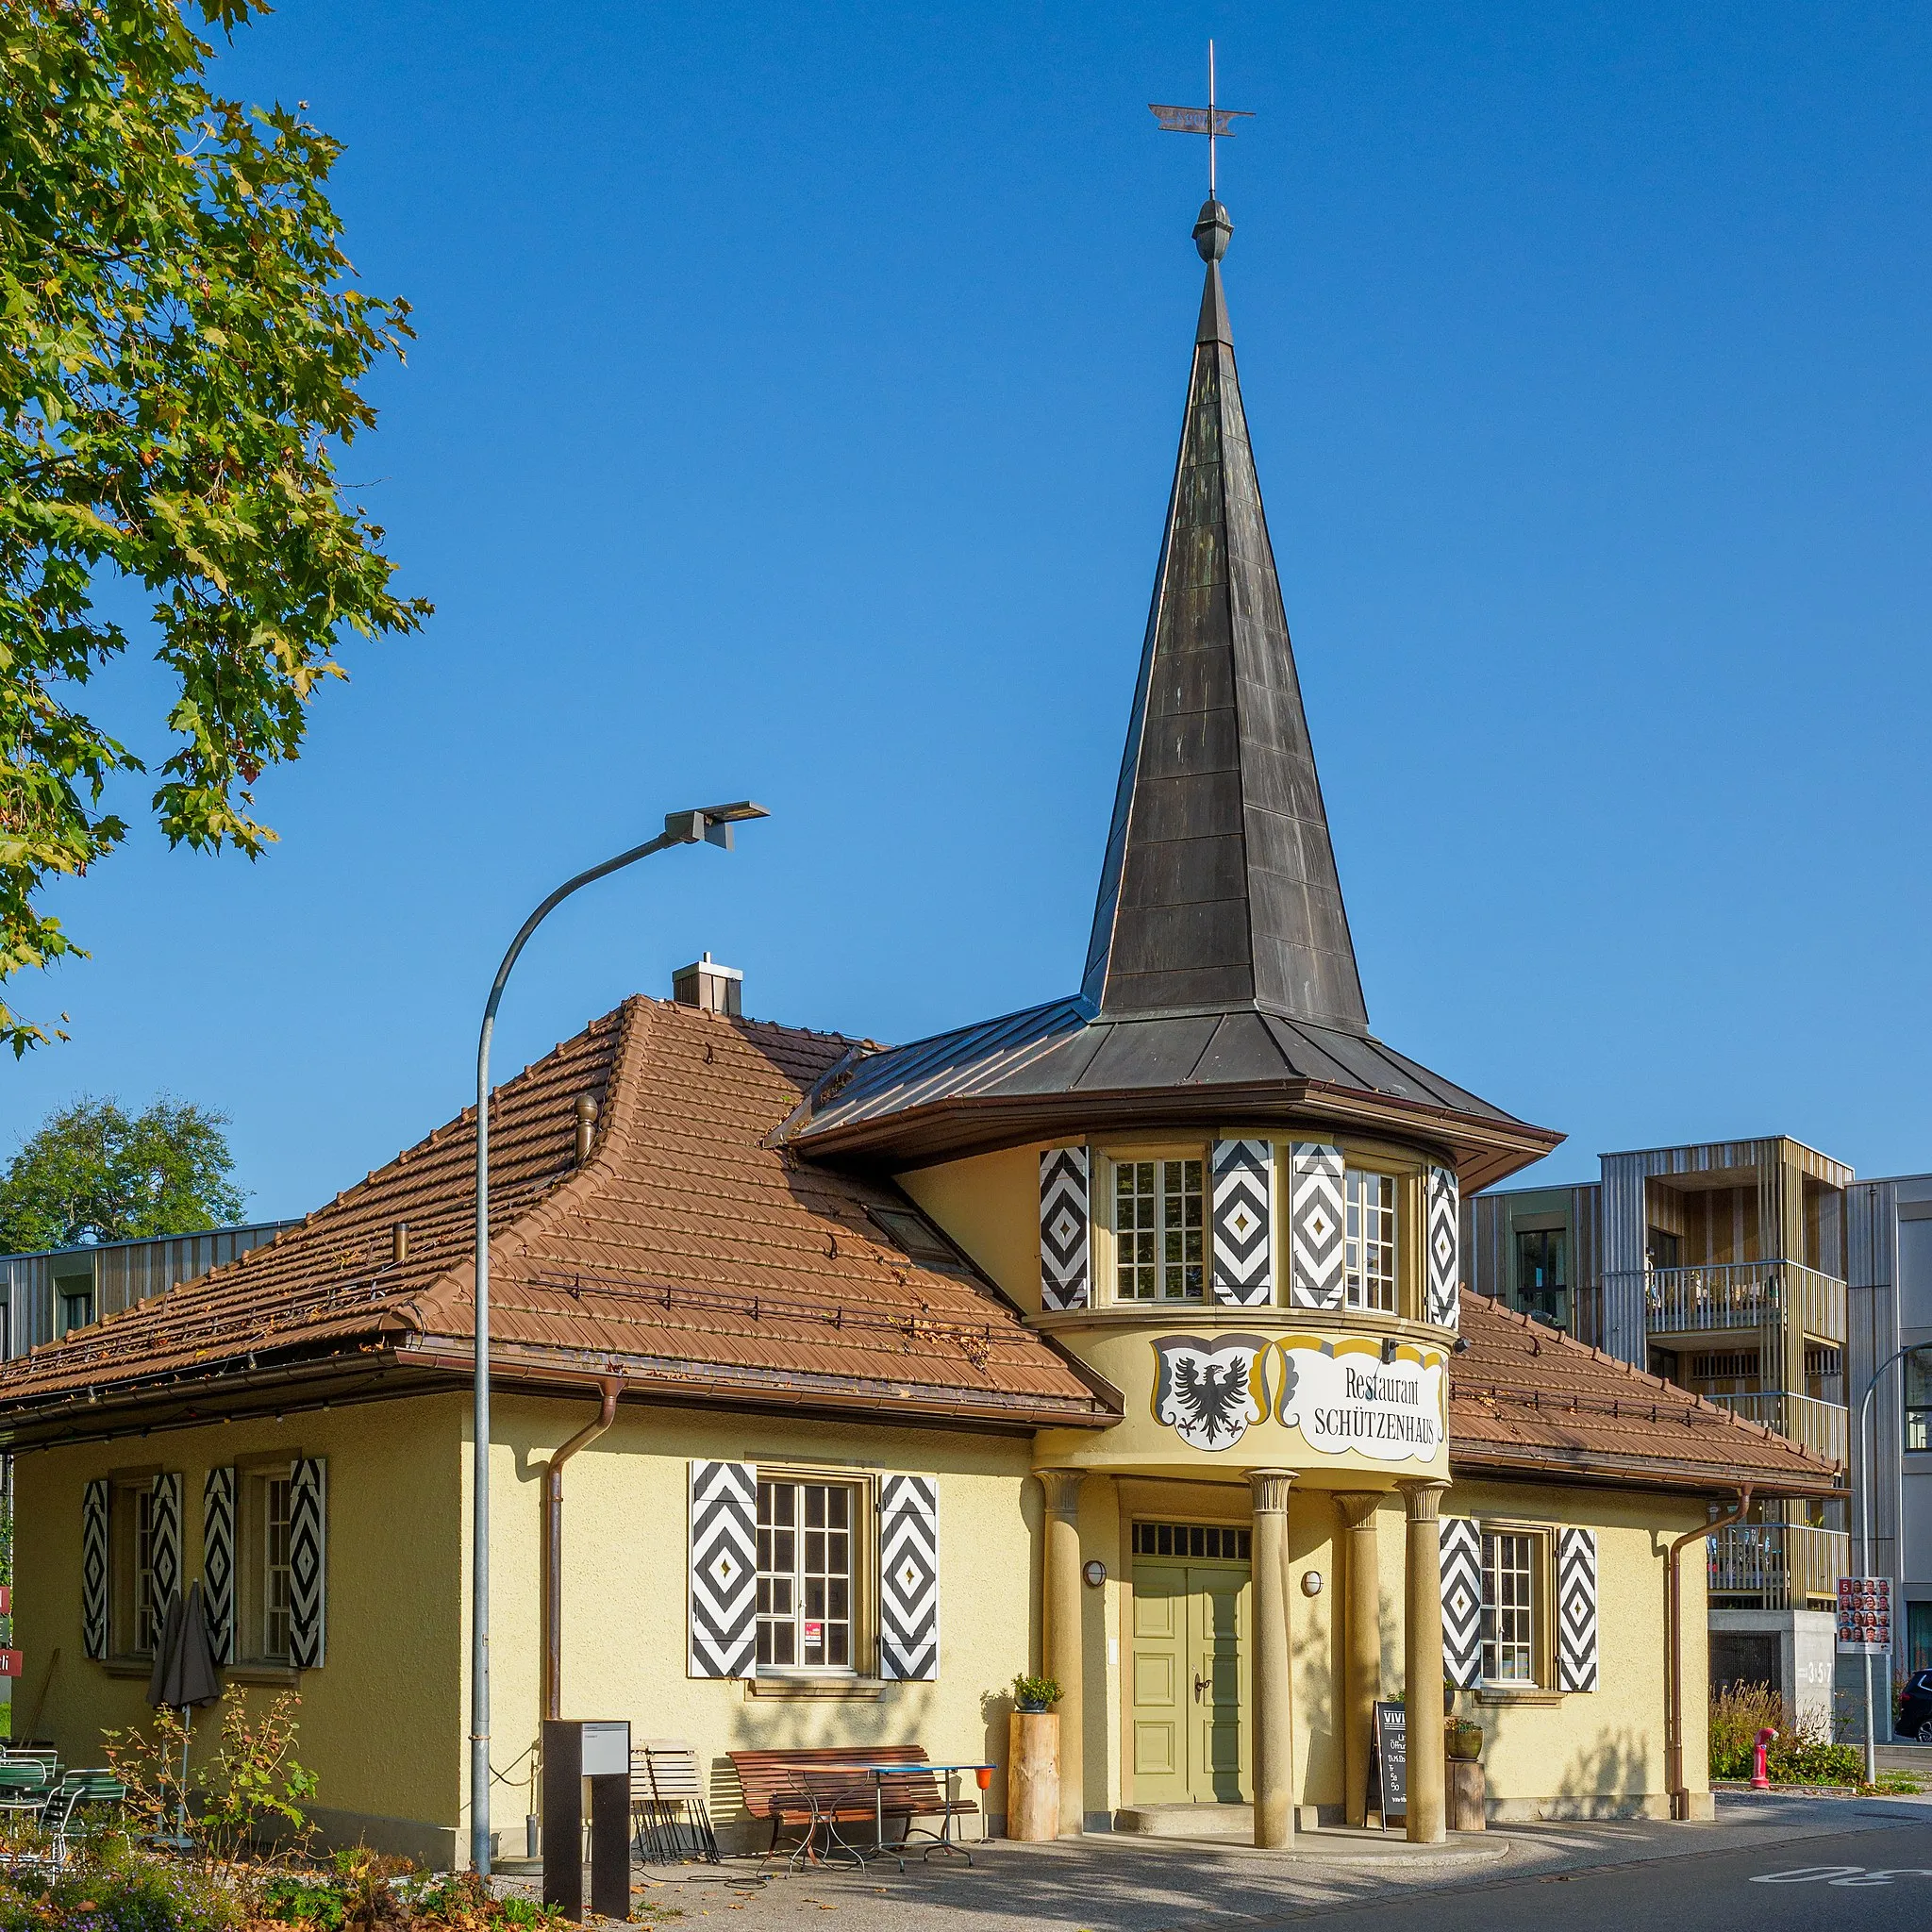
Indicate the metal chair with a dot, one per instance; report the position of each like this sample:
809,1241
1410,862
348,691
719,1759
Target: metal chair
77,1790
667,1801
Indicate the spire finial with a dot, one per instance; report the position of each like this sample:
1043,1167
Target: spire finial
1217,124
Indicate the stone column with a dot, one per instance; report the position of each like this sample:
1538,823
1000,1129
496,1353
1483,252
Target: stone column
1061,1634
1423,1664
1273,1663
1360,1617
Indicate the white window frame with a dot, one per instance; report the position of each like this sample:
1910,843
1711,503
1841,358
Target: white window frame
264,1607
1513,1618
794,1580
1175,1249
1371,1231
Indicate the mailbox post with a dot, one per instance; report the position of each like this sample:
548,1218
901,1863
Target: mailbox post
575,1753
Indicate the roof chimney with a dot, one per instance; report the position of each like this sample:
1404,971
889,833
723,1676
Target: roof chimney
709,987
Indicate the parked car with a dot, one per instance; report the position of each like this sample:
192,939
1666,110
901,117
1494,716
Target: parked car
1915,1710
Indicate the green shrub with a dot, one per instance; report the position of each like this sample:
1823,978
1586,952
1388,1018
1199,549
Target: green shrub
1801,1753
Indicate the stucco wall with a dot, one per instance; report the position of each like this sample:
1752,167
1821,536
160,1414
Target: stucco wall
380,1722
1599,1752
625,1584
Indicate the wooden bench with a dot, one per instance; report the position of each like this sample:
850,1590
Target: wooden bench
805,1789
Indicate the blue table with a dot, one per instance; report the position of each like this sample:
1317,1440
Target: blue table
942,1839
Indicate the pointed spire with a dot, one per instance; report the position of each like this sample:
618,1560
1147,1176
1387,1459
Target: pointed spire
1219,886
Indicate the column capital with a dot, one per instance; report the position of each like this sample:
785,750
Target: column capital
1425,1496
1357,1505
1062,1486
1269,1489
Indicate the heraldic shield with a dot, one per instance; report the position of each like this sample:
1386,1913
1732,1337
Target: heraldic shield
1209,1388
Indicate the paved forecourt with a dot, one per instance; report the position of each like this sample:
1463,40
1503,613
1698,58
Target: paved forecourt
1764,1863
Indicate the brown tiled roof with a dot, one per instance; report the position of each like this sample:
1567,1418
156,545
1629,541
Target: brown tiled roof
1526,1398
698,1258
686,1253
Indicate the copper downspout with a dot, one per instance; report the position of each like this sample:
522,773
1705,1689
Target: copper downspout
1674,1652
608,1387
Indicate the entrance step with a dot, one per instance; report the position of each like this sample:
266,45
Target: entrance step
1187,1821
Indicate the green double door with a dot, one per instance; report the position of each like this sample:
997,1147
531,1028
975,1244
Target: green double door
1188,1682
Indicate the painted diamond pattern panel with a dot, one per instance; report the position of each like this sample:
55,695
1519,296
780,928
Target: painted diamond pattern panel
909,1579
166,1550
1577,1609
724,1568
1445,1262
94,1568
218,1560
1315,1226
1063,1228
1463,1602
1243,1252
308,1562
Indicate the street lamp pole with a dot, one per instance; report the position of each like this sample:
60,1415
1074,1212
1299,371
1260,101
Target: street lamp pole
712,824
1866,1453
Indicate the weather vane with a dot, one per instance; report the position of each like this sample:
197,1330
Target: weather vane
1211,120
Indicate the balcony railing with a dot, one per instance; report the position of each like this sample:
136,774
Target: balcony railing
1819,1426
1744,1294
1779,1566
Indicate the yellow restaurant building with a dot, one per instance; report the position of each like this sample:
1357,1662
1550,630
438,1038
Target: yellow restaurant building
1121,1339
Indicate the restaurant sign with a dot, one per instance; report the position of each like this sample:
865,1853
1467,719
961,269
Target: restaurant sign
1212,1390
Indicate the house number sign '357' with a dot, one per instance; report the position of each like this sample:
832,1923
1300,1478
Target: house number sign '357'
1210,1390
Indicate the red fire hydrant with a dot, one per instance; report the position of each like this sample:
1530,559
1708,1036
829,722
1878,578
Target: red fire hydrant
1760,1768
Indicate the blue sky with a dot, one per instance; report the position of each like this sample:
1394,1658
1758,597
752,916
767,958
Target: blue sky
793,414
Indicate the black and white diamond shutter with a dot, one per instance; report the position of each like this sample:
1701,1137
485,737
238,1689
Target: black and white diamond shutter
909,1579
218,1560
1443,1262
94,1568
1463,1602
1063,1244
308,1562
724,1568
1577,1609
1314,1225
164,1540
1243,1252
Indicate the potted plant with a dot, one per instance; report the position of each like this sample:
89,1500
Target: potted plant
1463,1739
1035,1693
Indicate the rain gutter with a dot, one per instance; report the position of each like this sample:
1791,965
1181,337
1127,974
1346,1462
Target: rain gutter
607,1389
1673,1651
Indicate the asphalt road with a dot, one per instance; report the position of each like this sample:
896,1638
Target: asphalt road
1875,1881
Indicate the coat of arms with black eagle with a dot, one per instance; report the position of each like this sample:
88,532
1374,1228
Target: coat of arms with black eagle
1209,1388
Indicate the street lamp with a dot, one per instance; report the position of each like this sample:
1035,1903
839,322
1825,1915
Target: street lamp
711,825
1866,1453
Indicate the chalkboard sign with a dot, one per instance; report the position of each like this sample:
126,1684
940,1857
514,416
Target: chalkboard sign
1388,1762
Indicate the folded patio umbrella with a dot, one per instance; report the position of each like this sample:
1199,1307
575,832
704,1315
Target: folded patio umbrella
185,1673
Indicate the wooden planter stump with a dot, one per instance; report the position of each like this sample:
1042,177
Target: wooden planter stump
1468,1790
1033,1775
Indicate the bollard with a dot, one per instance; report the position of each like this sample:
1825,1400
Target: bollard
1760,1768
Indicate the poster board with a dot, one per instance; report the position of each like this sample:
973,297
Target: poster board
1864,1616
1388,1762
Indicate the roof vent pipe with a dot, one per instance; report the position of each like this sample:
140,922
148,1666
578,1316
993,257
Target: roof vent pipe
709,987
399,1242
587,1126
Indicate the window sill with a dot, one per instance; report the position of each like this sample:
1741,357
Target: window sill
832,1690
1532,1695
261,1674
129,1666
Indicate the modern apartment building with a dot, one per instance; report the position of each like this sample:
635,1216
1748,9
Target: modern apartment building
45,1294
1721,1268
1890,1229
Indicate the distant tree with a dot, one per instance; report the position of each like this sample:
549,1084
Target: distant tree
94,1173
180,344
